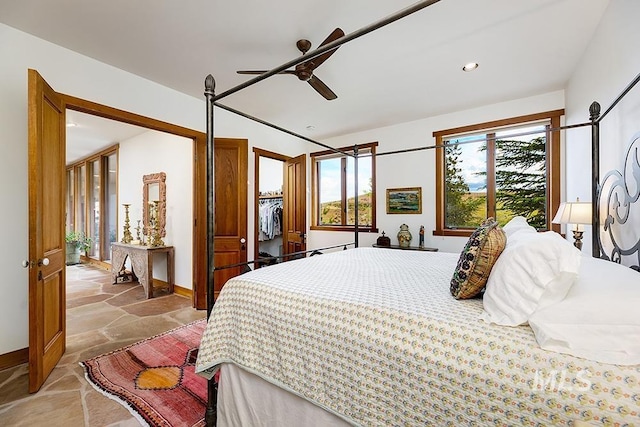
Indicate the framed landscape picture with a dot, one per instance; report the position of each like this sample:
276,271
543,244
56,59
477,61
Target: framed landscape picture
404,200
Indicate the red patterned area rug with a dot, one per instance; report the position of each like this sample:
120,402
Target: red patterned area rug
155,378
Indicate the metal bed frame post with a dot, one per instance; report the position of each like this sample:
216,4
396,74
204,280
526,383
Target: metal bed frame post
209,93
594,114
356,201
596,188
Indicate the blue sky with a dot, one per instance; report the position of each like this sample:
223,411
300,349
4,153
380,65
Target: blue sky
474,160
330,180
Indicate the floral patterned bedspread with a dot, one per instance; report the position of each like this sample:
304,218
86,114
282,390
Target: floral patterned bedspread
374,336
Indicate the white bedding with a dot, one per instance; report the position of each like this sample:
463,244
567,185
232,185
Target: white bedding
374,336
245,399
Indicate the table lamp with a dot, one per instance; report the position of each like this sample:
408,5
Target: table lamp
576,213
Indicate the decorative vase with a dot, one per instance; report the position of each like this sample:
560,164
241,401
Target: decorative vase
73,254
404,236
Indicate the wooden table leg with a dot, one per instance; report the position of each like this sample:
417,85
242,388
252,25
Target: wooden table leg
149,288
170,269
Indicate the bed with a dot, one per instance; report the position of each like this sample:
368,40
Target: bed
374,337
379,340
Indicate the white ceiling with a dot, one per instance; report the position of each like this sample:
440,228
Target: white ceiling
88,134
405,71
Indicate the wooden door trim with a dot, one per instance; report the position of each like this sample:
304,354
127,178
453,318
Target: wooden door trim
199,273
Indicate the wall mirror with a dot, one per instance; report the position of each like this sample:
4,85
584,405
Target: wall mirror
154,189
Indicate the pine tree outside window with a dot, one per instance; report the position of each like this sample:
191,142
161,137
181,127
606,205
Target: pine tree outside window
499,169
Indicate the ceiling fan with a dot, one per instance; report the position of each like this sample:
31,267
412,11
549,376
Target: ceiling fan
304,70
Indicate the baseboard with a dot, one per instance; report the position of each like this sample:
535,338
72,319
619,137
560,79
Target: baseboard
100,264
178,290
14,358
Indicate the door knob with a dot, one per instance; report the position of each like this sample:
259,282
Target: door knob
25,263
243,240
43,261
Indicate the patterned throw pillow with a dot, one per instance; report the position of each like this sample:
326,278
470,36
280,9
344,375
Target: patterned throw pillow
476,260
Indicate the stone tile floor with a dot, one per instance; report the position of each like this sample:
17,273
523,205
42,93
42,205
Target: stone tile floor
101,317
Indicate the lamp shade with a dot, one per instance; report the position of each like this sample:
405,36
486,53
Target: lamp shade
573,213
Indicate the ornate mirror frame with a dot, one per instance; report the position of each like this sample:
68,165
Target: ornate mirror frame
147,181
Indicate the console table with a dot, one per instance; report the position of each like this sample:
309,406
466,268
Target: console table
408,248
141,263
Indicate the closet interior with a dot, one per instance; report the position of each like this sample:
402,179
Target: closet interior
270,209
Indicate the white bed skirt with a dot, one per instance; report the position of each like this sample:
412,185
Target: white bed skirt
244,399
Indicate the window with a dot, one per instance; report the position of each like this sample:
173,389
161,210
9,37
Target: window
499,169
93,194
110,203
333,189
91,201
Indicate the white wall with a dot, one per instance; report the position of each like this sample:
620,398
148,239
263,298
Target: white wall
74,74
155,152
417,169
610,62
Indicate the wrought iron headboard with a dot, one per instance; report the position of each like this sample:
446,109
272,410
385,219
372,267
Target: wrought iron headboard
618,203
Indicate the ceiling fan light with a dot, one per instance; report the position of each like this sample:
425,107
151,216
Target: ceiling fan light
470,66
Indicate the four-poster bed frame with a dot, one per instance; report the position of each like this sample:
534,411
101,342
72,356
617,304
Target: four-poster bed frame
212,100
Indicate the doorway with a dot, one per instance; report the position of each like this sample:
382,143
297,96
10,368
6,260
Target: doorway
269,206
197,139
47,111
283,180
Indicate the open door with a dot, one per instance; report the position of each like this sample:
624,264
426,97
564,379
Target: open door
47,320
295,201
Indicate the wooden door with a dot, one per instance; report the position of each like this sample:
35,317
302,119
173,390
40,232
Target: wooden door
295,202
47,320
230,242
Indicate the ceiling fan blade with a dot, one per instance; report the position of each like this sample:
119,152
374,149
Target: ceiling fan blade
322,88
335,35
263,71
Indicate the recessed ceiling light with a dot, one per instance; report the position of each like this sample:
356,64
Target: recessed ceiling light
470,66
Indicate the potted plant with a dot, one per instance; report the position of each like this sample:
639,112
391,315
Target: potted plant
77,242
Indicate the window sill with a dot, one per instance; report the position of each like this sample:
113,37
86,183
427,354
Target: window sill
460,232
348,228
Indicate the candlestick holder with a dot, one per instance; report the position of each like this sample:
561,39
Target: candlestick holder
155,239
138,237
127,237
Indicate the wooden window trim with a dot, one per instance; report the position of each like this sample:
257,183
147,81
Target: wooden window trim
553,170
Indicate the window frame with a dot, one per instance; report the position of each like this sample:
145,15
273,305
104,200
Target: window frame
318,156
553,171
82,169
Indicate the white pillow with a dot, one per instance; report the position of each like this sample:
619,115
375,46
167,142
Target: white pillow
517,223
534,271
600,317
